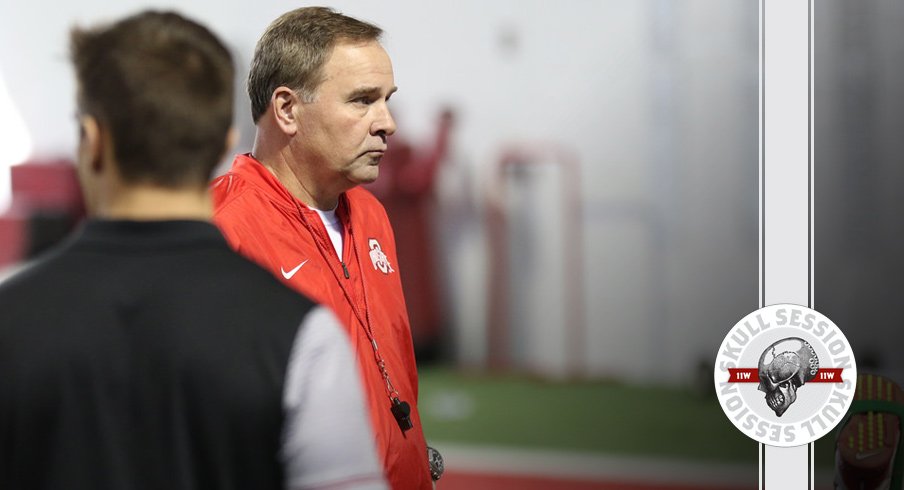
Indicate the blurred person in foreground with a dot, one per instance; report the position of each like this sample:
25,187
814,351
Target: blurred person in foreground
144,353
320,84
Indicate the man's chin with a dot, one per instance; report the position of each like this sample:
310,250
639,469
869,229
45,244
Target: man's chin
366,176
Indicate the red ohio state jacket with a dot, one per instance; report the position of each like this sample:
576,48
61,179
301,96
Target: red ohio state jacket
264,222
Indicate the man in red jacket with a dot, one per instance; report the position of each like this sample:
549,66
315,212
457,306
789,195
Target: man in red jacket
319,87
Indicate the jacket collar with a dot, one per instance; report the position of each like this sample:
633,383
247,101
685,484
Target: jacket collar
252,170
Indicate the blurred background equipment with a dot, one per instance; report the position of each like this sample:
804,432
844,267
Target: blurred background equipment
407,189
536,267
46,205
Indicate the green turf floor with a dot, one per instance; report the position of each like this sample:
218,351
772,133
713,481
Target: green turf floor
601,417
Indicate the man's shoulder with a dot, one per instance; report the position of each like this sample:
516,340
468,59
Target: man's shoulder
251,279
37,273
231,188
22,282
244,185
239,202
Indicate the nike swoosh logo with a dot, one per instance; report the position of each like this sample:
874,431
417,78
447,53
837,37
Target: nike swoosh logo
870,454
288,275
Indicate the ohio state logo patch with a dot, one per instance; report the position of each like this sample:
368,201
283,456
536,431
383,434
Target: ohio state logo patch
377,257
785,375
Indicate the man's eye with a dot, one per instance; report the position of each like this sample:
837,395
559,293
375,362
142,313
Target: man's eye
362,100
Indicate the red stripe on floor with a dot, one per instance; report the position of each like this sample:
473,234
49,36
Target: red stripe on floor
492,481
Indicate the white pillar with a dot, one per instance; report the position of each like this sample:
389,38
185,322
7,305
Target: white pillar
786,191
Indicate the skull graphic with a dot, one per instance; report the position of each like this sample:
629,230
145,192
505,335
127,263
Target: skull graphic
784,367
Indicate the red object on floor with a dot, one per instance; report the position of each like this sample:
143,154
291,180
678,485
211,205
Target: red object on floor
493,481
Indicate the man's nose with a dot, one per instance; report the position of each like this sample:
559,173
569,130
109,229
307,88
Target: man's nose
384,123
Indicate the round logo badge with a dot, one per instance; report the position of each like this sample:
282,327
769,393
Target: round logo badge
785,375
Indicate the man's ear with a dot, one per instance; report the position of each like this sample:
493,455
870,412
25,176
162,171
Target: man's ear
91,144
284,105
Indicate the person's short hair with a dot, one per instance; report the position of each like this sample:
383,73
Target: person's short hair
163,86
294,49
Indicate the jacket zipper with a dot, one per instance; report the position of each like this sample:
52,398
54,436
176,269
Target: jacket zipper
327,244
